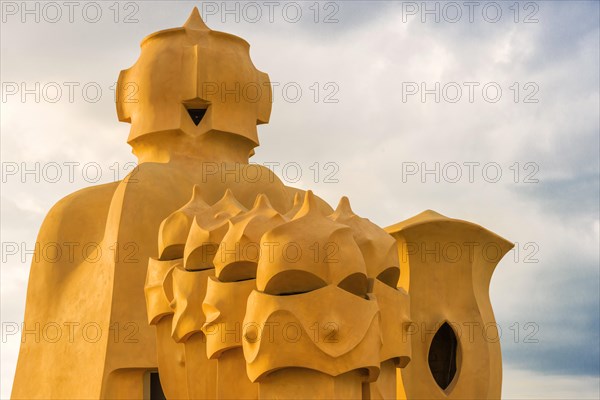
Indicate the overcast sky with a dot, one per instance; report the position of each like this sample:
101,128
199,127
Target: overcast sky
514,135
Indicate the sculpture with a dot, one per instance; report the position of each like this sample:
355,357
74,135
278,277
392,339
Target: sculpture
250,289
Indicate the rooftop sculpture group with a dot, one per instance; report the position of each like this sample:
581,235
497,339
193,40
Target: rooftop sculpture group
247,289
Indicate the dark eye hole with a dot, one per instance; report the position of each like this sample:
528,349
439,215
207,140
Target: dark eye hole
390,276
196,114
442,356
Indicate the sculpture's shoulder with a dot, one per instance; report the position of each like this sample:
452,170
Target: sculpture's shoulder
79,214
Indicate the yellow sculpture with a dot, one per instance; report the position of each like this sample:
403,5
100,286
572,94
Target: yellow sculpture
250,289
447,265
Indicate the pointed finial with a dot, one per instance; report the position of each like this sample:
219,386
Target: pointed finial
228,202
343,210
228,193
195,21
228,196
197,194
344,205
297,199
197,201
308,206
262,201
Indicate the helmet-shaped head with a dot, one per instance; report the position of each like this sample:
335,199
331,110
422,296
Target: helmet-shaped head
193,82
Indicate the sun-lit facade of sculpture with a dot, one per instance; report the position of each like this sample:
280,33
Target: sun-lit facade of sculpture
210,285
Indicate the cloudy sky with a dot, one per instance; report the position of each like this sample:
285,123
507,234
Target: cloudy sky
501,99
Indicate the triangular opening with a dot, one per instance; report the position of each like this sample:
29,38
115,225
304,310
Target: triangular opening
442,356
196,114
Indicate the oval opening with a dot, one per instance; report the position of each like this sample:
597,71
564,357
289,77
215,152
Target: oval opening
442,356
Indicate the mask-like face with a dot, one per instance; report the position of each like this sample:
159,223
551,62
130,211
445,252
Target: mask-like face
310,252
192,80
